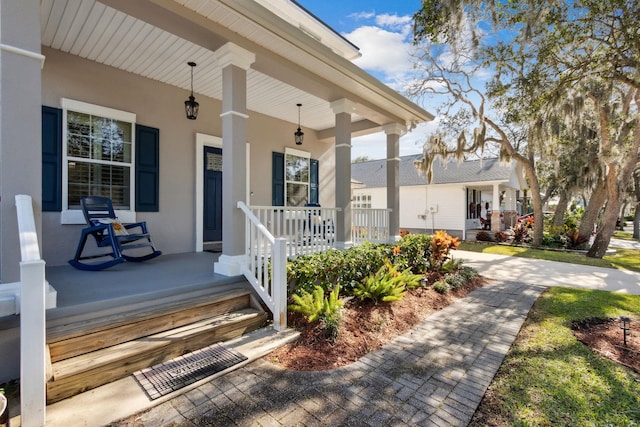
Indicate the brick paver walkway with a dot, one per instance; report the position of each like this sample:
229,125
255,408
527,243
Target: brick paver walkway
434,375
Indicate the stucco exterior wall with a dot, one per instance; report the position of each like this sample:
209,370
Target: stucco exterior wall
162,106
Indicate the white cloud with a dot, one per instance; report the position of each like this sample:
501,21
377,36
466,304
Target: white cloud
385,46
384,52
374,146
402,23
362,15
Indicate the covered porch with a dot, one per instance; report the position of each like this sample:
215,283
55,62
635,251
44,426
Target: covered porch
93,102
492,208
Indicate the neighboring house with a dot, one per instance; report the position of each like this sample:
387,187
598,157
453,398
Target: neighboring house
92,101
460,194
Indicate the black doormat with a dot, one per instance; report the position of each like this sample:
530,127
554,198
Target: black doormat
177,373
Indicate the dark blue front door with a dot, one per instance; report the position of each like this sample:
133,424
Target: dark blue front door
212,194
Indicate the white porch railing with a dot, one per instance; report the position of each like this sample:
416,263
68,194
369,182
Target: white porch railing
32,319
370,225
275,233
307,230
266,267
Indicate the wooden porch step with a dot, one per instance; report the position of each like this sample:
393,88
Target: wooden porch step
85,371
90,353
74,339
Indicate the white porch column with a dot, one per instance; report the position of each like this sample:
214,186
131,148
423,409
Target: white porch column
393,132
20,124
495,209
343,109
234,62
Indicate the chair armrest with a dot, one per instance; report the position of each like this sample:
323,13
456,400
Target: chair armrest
95,228
141,224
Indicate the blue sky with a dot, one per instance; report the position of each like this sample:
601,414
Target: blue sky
382,31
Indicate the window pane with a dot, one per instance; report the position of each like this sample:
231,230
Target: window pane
78,183
297,194
78,146
78,123
86,179
297,168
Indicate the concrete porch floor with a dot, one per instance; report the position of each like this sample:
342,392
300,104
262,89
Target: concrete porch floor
81,292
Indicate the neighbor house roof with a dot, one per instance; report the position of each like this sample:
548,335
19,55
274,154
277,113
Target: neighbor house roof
373,173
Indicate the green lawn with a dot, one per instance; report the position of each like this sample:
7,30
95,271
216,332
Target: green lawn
550,379
623,258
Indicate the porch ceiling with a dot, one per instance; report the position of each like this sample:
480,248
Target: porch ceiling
156,39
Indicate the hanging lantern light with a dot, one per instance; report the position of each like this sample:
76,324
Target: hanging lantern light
298,135
190,105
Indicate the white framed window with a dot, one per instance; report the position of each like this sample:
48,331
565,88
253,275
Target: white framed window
98,158
362,201
297,166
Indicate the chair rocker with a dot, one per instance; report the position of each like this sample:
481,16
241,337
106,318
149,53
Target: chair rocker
109,232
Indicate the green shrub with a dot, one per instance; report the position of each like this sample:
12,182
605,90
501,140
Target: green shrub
455,281
388,284
468,273
335,267
316,306
441,287
413,251
452,264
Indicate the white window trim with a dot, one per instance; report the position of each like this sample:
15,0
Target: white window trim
298,153
75,216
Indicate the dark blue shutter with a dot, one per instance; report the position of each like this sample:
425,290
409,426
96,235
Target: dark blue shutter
313,182
147,169
277,189
51,159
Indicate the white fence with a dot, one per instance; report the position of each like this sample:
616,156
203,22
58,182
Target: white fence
307,230
266,267
370,225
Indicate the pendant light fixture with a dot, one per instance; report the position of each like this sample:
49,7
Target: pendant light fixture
190,105
298,135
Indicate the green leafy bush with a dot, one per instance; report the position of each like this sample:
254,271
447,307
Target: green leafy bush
452,264
441,287
413,251
388,284
316,306
455,280
468,273
336,267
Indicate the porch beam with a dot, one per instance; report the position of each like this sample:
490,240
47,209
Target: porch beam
234,62
343,108
393,132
